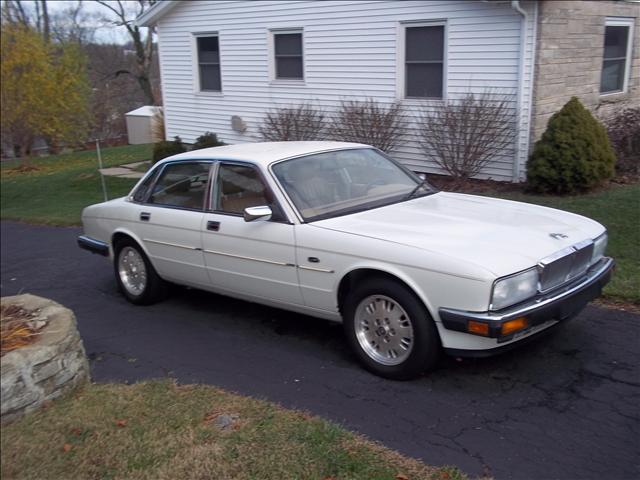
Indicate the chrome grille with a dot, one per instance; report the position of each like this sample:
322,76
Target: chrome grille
565,265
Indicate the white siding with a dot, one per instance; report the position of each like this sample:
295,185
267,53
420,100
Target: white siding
349,52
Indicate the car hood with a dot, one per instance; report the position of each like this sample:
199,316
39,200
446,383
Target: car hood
500,236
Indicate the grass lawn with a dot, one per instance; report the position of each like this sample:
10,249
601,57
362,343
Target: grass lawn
64,184
158,430
618,209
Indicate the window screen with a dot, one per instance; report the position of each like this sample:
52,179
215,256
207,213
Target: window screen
614,63
288,55
424,61
209,64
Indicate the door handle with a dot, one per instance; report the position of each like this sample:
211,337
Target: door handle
145,216
213,226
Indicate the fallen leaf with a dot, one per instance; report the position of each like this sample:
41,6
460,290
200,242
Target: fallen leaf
305,416
76,431
121,423
210,416
401,476
66,447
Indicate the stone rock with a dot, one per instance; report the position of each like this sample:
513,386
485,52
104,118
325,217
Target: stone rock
225,422
55,363
17,395
45,370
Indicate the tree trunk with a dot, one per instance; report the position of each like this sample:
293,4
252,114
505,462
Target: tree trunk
45,21
145,85
25,154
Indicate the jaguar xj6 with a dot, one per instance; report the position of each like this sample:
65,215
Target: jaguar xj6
342,232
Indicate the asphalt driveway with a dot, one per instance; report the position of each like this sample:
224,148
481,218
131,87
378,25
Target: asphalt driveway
566,407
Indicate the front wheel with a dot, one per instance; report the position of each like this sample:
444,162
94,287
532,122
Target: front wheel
136,277
390,330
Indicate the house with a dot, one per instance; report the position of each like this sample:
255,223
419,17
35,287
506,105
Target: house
224,64
587,49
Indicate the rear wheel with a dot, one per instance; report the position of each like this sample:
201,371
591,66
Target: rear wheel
390,330
136,277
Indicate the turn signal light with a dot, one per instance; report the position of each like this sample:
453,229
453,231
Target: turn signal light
514,325
478,328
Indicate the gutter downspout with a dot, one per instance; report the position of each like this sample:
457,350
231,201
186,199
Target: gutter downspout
515,4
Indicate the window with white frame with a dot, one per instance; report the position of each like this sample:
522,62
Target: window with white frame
287,55
617,55
209,63
424,60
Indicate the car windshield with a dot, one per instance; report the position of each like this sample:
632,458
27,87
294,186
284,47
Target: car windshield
330,184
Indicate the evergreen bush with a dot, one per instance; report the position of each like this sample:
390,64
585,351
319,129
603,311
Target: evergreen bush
207,140
574,154
165,149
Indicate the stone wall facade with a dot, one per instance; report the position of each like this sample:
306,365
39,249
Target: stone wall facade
570,49
53,364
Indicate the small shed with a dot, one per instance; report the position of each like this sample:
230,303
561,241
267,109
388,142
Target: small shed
140,124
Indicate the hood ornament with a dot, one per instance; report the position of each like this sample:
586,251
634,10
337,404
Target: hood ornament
558,236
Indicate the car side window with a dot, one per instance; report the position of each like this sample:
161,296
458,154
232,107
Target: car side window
182,185
239,187
141,192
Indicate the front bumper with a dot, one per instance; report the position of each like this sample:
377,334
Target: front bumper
557,305
93,245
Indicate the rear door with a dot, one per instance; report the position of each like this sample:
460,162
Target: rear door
170,222
255,258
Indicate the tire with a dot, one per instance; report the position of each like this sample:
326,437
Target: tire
390,330
136,278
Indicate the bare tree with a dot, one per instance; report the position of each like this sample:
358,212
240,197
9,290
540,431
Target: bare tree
301,122
29,14
70,24
46,29
369,122
142,44
13,11
111,96
73,24
462,136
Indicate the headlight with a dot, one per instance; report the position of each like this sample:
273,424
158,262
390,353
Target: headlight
599,246
515,288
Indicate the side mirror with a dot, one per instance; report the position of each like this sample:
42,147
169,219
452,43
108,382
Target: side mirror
257,213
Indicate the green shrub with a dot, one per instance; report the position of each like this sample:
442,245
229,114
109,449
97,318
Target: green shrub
574,154
165,149
207,140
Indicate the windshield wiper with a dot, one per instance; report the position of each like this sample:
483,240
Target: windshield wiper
412,193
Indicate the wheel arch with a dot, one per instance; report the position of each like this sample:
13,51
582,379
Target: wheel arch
122,233
350,279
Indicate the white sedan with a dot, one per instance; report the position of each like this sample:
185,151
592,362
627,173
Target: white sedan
342,232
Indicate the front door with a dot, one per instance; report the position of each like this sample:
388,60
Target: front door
255,258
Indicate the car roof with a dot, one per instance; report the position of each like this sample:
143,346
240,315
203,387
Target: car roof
263,153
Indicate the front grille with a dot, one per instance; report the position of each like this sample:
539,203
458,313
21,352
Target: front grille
565,265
